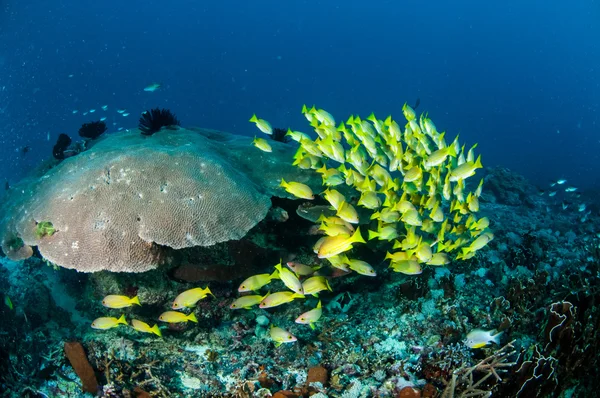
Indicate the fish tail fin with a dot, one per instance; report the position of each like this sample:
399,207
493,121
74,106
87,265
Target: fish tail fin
254,119
192,317
452,151
373,235
122,320
357,237
478,164
274,275
135,300
319,304
496,337
283,183
207,291
156,330
328,286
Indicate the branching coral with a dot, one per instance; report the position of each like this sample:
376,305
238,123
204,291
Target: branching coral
153,120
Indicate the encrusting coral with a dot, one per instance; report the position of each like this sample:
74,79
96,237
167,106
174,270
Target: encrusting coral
117,205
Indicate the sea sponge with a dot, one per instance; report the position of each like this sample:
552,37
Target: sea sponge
117,205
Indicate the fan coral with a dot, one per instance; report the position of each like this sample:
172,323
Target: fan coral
155,119
119,205
92,130
62,143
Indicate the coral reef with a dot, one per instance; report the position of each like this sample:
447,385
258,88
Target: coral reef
153,120
390,336
122,204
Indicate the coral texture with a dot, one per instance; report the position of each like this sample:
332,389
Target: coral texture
117,204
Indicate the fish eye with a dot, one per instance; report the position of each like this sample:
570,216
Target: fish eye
290,337
103,302
302,319
243,286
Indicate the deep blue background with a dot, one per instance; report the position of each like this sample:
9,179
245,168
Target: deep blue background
522,80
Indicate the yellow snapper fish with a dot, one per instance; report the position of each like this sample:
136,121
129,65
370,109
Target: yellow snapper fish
190,297
289,279
407,267
310,317
116,301
247,302
262,125
298,189
145,328
281,336
479,338
255,282
177,317
104,323
333,245
149,88
347,212
300,269
465,170
315,284
279,298
334,198
262,144
361,267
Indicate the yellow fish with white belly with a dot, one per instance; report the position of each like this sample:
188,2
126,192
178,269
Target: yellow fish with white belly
190,297
262,144
281,336
145,328
104,323
116,301
262,125
177,317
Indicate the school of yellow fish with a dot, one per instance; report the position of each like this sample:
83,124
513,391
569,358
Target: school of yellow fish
187,299
410,178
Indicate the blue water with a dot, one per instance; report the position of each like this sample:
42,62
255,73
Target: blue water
522,80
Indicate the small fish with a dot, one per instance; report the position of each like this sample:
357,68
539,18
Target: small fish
570,189
145,328
262,125
104,107
551,193
120,128
8,302
71,75
103,118
581,207
48,136
189,298
85,113
262,144
280,336
565,205
315,284
92,110
333,245
300,269
255,282
298,189
115,301
247,302
123,110
152,87
479,338
104,323
310,317
75,111
289,279
361,267
279,298
177,317
125,114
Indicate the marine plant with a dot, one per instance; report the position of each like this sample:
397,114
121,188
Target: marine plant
410,181
92,130
153,120
44,228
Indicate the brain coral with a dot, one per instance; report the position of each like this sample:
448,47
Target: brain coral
116,205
